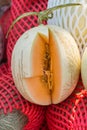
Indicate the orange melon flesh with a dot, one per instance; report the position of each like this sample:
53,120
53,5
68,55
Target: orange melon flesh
44,92
56,67
38,91
37,58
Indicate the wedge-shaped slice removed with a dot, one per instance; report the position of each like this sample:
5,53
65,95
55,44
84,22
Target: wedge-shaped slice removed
46,65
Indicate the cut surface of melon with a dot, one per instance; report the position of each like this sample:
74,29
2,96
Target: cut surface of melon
49,70
44,64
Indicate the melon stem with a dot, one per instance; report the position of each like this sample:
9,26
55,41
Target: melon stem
42,15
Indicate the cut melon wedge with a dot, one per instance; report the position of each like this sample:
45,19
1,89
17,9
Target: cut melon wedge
45,65
35,86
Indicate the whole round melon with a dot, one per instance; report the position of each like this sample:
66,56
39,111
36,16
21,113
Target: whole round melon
45,64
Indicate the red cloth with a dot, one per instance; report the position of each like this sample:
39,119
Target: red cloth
71,114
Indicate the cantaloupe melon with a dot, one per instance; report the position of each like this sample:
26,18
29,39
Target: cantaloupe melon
46,64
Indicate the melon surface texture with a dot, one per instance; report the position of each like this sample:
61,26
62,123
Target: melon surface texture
46,64
84,68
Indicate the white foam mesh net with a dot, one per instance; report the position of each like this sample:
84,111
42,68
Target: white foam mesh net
73,19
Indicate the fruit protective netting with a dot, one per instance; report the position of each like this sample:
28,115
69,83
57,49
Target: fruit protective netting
72,19
68,115
10,98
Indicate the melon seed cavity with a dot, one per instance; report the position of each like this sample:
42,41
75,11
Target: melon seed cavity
47,74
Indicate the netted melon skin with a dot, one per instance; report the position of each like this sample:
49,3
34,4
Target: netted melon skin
73,19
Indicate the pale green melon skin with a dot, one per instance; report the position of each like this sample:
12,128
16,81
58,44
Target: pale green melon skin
69,59
84,68
73,19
